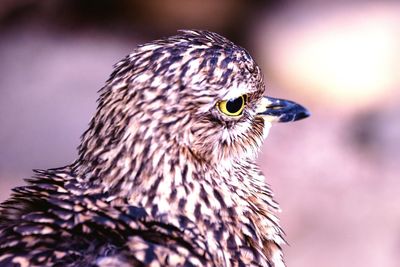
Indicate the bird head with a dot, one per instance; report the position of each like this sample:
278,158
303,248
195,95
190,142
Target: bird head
196,90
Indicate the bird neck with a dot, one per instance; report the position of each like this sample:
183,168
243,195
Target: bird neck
172,179
172,182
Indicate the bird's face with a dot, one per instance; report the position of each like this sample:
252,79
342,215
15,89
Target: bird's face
235,121
196,90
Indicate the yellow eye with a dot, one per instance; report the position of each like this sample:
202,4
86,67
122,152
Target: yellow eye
233,107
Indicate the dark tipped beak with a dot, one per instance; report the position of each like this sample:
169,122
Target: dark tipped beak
281,110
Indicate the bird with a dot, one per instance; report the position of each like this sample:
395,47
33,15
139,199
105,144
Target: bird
166,172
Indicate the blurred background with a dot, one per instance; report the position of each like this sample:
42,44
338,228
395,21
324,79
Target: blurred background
336,174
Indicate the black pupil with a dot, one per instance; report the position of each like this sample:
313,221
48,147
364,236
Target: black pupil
234,105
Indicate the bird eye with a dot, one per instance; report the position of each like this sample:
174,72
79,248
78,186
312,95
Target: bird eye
233,107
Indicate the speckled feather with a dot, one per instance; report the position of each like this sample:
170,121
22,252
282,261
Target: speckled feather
162,178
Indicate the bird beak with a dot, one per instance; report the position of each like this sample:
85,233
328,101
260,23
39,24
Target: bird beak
281,110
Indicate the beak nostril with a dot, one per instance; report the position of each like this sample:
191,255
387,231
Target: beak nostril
276,107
